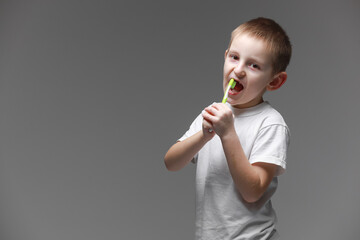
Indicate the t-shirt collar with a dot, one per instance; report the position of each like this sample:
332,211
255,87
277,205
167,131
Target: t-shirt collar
249,111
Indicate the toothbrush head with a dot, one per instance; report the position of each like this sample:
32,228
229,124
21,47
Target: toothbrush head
232,83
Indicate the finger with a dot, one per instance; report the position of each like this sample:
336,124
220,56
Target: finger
213,110
208,117
225,109
209,110
221,106
216,106
207,124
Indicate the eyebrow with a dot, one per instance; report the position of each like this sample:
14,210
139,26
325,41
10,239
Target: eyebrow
255,59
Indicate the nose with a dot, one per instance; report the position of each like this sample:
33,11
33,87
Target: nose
239,70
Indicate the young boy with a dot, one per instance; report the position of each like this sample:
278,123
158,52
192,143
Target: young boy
240,147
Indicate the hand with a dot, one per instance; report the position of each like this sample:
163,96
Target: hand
207,130
219,118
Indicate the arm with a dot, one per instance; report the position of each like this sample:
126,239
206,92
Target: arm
251,180
181,153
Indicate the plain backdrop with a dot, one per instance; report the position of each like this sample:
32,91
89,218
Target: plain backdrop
93,93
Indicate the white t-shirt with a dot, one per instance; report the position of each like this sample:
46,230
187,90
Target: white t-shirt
221,212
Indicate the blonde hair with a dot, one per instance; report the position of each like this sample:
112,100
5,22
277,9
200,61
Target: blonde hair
273,35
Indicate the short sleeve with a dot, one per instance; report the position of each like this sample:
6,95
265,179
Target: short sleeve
271,146
195,127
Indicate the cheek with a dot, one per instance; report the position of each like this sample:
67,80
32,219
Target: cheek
258,87
227,68
256,81
225,71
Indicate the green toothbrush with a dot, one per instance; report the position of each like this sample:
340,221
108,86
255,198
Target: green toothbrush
231,85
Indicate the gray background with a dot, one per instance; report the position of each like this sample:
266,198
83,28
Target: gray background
93,93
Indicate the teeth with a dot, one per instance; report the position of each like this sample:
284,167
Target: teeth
238,86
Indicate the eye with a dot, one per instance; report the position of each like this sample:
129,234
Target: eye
254,65
234,57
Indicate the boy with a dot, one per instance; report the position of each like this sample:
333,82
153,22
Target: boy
240,147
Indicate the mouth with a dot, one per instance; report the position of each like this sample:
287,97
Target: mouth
237,89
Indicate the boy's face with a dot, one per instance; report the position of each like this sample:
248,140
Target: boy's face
248,62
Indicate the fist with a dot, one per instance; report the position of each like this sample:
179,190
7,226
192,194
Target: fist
219,118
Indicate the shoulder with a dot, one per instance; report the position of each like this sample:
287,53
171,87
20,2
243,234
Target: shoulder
270,117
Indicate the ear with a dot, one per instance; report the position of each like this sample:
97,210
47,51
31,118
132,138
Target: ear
277,81
226,52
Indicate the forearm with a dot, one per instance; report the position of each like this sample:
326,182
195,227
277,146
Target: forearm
181,153
249,179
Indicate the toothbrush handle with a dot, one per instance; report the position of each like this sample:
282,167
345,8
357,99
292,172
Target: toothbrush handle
226,94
